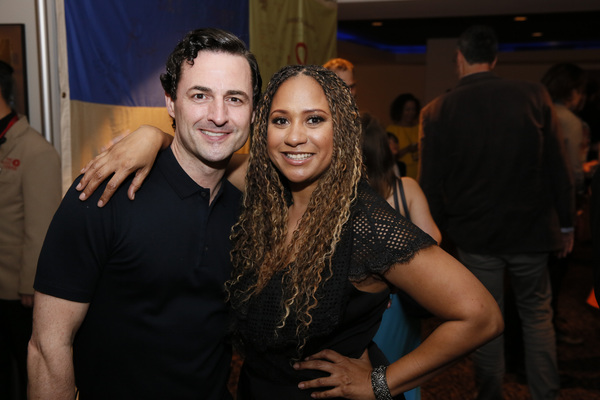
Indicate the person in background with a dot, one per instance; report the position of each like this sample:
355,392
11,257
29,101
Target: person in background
399,166
498,184
400,329
345,70
30,191
404,112
566,84
595,228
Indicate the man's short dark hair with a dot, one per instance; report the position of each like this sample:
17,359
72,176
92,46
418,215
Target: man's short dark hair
478,44
210,39
7,81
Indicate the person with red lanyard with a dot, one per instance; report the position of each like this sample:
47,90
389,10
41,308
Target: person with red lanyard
30,191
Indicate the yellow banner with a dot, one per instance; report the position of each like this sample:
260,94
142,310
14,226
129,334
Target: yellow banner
284,32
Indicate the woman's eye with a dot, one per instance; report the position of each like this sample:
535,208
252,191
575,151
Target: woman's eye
278,121
315,120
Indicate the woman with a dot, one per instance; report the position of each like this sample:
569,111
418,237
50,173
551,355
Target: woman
400,329
316,252
404,112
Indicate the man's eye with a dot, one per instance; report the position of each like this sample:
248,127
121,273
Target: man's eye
199,96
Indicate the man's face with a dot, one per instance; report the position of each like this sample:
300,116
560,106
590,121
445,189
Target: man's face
213,110
348,77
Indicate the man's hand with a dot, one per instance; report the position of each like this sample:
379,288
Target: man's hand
27,300
567,240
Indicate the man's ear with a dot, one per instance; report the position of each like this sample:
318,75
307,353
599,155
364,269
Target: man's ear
170,105
253,116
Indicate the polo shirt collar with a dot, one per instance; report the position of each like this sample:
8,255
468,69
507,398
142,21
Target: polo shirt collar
179,180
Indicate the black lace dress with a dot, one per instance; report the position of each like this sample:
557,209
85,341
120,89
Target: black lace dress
375,238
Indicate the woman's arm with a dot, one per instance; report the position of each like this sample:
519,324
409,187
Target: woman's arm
446,288
136,152
419,209
451,292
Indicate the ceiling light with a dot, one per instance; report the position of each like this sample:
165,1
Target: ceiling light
520,18
376,23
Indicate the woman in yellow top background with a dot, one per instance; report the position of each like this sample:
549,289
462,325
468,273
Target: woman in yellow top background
404,113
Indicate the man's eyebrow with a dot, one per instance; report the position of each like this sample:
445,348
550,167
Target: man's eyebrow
238,93
201,88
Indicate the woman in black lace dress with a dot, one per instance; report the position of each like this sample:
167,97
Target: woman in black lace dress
316,252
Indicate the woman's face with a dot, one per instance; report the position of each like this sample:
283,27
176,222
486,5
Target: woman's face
300,131
409,112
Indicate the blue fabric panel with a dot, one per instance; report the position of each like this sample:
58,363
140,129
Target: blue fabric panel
117,48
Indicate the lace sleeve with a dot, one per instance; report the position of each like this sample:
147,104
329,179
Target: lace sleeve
381,237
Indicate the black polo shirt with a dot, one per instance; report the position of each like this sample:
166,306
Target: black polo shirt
153,271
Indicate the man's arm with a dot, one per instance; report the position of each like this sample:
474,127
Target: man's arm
559,176
50,353
430,163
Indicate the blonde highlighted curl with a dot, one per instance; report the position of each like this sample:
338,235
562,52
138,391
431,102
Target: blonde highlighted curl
259,237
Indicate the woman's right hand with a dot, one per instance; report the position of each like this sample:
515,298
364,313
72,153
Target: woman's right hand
136,152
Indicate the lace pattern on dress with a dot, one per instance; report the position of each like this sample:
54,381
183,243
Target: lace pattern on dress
375,238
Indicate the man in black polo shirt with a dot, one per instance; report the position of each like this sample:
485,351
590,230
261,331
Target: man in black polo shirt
129,299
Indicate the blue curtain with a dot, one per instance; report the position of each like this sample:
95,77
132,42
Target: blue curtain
117,49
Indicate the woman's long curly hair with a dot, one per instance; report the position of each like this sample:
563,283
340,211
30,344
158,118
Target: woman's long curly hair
259,249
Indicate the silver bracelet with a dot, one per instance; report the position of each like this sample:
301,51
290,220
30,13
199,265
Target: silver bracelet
379,383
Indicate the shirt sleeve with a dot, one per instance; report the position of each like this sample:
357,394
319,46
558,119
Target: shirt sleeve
41,187
76,248
381,236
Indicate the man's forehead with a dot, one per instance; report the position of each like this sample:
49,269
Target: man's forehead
219,63
218,72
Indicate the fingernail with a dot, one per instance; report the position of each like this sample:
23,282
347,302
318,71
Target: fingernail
82,196
100,203
78,187
296,366
301,385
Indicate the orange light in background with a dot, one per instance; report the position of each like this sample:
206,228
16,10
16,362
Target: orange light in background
520,18
537,34
376,23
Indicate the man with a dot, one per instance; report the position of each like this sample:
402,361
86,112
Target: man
494,173
135,291
30,192
345,70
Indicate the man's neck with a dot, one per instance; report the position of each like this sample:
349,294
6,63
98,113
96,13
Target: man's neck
207,176
470,69
4,108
